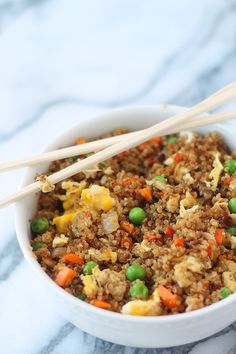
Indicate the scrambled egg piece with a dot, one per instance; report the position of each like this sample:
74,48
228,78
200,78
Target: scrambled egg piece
107,255
193,303
188,135
108,171
63,221
110,222
233,242
98,198
157,184
221,202
188,202
59,241
216,172
91,173
232,184
150,307
230,265
73,190
229,279
182,271
180,172
140,249
233,217
113,282
90,285
188,179
47,185
172,204
169,161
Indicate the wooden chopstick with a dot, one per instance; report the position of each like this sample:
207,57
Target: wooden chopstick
225,94
103,143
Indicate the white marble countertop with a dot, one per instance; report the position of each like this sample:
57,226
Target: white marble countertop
64,60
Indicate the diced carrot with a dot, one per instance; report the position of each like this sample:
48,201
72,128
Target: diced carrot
142,147
126,226
179,157
80,141
210,249
161,194
179,242
146,193
65,276
171,146
169,231
150,237
206,283
126,243
73,258
121,154
219,236
101,304
127,182
172,301
150,160
228,180
156,139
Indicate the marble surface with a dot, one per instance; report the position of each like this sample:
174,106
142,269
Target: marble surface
65,60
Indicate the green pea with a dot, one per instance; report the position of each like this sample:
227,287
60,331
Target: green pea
230,167
81,297
139,290
161,179
171,140
88,267
91,153
37,245
231,230
225,292
137,215
135,271
72,159
232,205
39,225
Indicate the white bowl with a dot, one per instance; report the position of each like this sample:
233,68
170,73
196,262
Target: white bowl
163,331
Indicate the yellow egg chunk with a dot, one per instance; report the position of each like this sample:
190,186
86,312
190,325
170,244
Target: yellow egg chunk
142,308
90,286
60,241
63,221
216,172
98,198
73,191
150,307
108,255
69,203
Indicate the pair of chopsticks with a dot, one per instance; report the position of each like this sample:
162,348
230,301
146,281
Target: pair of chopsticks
109,147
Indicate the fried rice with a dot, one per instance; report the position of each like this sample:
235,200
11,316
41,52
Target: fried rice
184,244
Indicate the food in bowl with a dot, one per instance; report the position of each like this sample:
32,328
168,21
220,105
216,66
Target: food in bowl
149,232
